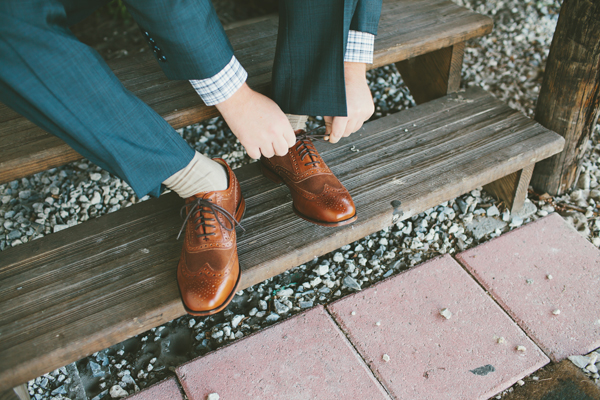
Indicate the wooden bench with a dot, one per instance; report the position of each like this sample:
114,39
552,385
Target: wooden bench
83,289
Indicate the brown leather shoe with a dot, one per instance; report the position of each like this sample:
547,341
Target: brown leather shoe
318,196
208,273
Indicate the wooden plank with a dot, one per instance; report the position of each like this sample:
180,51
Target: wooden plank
433,75
9,394
569,101
512,189
407,29
83,289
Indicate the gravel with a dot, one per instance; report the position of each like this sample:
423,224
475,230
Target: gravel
509,63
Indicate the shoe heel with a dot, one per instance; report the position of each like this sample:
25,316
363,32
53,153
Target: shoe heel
272,176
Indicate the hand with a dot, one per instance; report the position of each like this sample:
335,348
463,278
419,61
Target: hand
359,103
258,123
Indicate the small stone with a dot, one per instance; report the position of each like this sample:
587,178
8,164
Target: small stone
338,257
213,396
516,222
378,323
14,234
520,382
235,321
351,283
529,281
521,348
577,195
446,313
592,368
253,312
285,293
280,308
492,211
95,176
322,269
556,312
96,198
548,276
305,304
386,358
353,313
60,227
24,194
484,225
580,361
272,317
263,305
215,335
501,340
315,281
117,391
528,210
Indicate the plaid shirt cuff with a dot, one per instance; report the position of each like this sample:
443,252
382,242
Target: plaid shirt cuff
360,47
223,85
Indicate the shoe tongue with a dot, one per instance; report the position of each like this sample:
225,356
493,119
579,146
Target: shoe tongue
211,224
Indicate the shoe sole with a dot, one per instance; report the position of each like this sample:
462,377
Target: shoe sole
239,214
272,176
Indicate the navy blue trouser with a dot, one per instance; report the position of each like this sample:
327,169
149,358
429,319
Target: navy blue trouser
66,88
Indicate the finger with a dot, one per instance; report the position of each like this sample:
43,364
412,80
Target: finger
280,146
267,151
355,127
328,122
290,137
338,127
253,152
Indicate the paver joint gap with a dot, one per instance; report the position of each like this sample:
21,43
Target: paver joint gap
341,329
454,257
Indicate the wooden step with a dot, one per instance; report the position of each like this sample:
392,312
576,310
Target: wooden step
83,289
407,28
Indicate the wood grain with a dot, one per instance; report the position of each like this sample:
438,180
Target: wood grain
569,101
433,75
512,189
407,29
83,289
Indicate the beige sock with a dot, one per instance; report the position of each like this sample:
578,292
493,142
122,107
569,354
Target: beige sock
297,121
201,175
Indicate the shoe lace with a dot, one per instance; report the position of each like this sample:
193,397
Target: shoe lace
200,207
305,146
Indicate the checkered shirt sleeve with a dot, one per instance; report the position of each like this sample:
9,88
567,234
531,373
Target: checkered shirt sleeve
223,85
360,47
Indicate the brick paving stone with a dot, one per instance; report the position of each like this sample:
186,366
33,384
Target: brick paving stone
304,357
432,357
514,269
165,390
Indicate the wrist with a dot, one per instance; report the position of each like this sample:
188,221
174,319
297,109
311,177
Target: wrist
237,99
355,71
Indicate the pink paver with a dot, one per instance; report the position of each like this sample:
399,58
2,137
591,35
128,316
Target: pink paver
548,246
165,390
432,357
305,357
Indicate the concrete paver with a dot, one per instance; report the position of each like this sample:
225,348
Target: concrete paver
165,390
304,357
514,268
431,357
